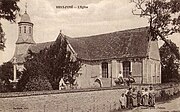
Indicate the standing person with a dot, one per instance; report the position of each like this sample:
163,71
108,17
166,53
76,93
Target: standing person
123,101
62,84
142,96
134,97
151,97
139,98
129,99
146,97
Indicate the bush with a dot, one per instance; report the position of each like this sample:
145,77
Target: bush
38,83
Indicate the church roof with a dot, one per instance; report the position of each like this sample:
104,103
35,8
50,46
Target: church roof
25,18
40,46
121,44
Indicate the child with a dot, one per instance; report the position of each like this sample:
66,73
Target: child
139,98
123,101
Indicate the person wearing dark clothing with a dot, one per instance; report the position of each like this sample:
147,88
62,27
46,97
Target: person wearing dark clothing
129,99
134,97
151,97
139,98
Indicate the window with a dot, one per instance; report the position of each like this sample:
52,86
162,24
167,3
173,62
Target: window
24,29
104,69
29,29
126,68
158,79
19,29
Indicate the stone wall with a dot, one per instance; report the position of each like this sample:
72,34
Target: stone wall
82,100
88,100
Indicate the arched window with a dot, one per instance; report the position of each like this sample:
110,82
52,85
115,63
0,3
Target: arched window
24,29
29,29
19,29
104,69
126,68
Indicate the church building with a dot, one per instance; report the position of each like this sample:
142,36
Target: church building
103,55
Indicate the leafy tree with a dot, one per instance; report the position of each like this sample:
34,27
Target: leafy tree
2,39
34,77
56,60
8,11
163,17
59,61
6,74
169,63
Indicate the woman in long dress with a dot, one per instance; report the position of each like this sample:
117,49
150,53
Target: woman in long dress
146,97
139,98
151,97
134,97
129,99
142,96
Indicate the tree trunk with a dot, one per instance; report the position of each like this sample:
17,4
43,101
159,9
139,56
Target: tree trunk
167,42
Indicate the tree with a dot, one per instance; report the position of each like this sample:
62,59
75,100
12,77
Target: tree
2,39
34,77
6,74
56,60
59,61
8,11
162,16
169,63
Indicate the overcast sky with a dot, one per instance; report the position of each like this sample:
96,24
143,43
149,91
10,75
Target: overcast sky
101,16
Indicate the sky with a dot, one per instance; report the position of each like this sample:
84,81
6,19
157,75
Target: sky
101,16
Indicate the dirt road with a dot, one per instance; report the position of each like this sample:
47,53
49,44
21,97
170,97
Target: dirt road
170,106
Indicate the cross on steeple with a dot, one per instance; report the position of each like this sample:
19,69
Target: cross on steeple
26,7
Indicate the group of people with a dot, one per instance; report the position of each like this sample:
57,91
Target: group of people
124,80
69,83
133,98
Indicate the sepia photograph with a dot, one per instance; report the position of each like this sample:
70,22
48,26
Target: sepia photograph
89,55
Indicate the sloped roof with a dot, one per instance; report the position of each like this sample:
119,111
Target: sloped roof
40,46
120,44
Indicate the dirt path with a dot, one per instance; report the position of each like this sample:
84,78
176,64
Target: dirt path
170,106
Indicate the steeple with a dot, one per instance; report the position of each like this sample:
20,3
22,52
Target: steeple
25,34
25,38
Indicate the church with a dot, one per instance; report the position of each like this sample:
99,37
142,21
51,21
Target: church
103,55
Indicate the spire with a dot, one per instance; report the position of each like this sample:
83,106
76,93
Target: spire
26,7
25,17
60,32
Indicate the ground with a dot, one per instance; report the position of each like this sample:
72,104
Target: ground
170,106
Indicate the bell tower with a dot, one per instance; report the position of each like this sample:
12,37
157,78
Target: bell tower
25,37
25,34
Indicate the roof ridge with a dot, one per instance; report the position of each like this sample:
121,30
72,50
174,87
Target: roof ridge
125,30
